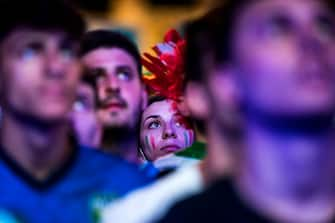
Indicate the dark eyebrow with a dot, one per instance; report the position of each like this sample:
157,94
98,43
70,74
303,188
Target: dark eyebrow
67,42
89,75
326,17
94,72
82,97
35,44
123,68
151,116
30,42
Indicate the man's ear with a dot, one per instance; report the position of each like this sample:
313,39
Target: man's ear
196,99
144,97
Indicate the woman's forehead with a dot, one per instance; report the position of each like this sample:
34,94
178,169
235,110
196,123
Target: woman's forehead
165,109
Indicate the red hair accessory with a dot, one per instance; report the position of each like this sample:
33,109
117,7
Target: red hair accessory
167,68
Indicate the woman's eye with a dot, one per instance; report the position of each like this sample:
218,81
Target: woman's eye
125,76
179,124
154,125
182,122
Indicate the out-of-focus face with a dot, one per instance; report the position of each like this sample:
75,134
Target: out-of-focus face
84,119
85,99
119,90
164,130
283,65
284,57
40,72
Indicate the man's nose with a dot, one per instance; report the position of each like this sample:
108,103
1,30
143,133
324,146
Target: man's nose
55,64
113,86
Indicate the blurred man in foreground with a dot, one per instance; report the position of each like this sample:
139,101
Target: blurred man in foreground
45,176
274,62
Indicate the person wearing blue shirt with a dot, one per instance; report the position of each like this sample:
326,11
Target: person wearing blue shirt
44,175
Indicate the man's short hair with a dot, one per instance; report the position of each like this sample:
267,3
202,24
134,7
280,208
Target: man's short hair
211,35
42,15
109,39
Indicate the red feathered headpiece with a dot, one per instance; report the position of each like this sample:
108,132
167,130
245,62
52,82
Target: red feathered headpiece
167,68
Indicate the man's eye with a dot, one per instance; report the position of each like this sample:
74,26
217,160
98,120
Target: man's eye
31,51
82,103
124,75
278,25
68,53
154,125
97,75
78,106
326,25
28,54
68,49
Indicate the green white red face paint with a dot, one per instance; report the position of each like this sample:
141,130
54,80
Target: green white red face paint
173,133
188,138
150,142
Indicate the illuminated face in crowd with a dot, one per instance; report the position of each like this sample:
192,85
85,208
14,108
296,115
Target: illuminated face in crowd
164,130
40,73
119,90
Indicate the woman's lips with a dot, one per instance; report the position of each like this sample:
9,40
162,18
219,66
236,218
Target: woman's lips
170,148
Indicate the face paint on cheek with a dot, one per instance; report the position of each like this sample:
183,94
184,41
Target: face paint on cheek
147,144
150,144
191,137
188,137
152,141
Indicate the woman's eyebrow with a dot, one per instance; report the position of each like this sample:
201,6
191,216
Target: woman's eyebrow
151,116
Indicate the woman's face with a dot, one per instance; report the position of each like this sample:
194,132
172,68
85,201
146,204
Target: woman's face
164,130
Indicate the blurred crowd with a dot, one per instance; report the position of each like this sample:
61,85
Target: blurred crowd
232,121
